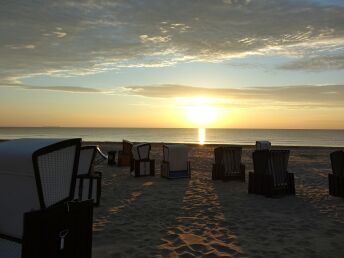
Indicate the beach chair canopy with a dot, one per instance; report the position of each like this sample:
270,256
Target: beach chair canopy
141,151
337,163
176,155
34,174
230,158
263,145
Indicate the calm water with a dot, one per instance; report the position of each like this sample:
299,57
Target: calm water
334,138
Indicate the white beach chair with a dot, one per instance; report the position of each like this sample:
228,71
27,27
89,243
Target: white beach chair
34,174
143,165
263,145
175,162
88,182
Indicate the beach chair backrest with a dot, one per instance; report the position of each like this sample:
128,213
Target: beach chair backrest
260,161
337,163
141,151
177,156
127,146
231,159
87,155
278,166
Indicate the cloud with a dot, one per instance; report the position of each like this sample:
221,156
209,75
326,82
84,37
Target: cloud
82,37
319,63
327,96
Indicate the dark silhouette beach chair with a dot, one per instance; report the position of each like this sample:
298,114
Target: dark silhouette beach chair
175,162
88,182
336,179
125,156
38,217
228,164
270,176
143,165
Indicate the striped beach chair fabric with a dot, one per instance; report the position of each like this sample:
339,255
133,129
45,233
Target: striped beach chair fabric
228,164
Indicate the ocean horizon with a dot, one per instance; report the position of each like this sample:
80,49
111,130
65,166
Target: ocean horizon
282,137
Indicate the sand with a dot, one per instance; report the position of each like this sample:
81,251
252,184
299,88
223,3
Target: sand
198,217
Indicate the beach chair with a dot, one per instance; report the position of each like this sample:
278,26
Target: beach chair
228,164
37,175
336,179
143,165
175,162
88,181
270,176
125,156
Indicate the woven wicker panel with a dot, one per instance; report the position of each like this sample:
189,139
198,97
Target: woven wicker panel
56,169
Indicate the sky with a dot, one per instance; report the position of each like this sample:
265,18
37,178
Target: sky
172,63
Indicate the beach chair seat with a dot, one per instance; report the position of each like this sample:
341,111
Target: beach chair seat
88,181
270,176
125,156
336,178
42,174
175,162
228,164
143,165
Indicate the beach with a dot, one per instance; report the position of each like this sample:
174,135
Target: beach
199,217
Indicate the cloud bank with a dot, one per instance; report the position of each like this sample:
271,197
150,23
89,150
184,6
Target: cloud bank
83,37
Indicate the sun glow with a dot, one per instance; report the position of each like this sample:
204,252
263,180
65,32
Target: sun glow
200,111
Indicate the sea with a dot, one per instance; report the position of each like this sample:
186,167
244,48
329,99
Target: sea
280,137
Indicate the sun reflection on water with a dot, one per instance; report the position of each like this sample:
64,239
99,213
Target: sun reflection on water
201,135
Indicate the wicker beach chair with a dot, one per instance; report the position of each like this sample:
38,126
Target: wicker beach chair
88,181
270,176
228,164
143,165
175,162
336,179
37,175
125,156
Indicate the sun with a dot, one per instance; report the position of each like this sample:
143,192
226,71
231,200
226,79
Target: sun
201,115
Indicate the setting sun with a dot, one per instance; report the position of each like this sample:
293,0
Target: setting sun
201,115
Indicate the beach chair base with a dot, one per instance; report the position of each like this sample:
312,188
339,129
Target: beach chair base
89,187
167,173
263,184
144,168
218,173
44,230
336,185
